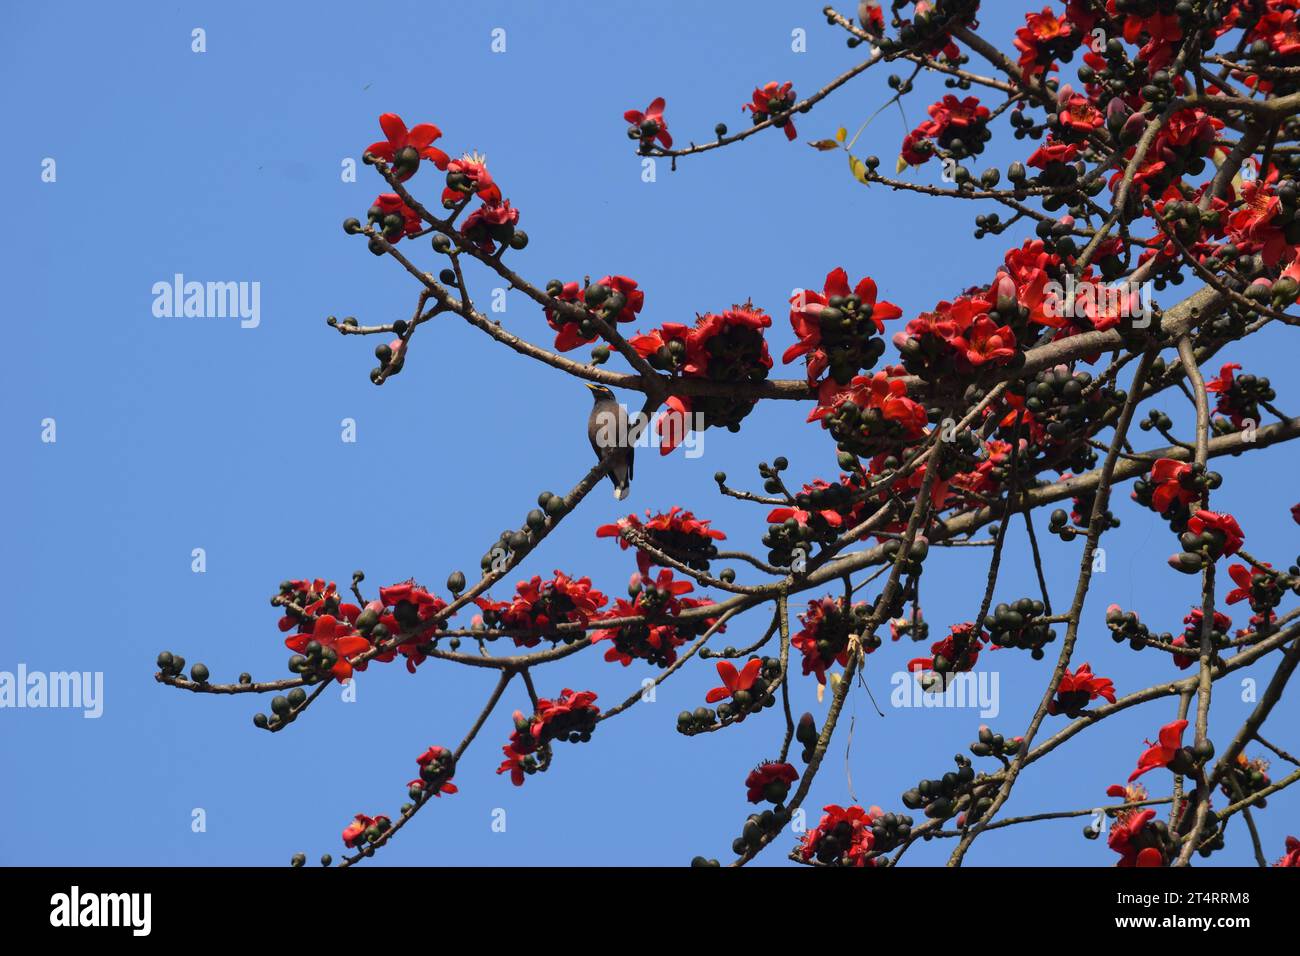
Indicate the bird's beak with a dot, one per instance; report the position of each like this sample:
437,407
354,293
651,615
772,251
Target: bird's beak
591,386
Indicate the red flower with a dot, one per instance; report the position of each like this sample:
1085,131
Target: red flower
986,341
1077,114
770,781
884,392
726,347
853,306
650,125
1127,839
1171,479
426,605
490,222
824,640
1295,513
514,763
338,636
1163,33
773,99
569,703
1040,32
677,531
742,346
1077,690
1052,152
1235,402
385,212
569,335
951,116
1246,580
1220,526
469,175
1161,753
734,681
957,652
356,831
1292,857
437,767
571,716
631,298
852,829
541,605
656,639
405,148
916,148
1253,225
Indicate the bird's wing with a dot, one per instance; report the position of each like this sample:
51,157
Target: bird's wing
626,430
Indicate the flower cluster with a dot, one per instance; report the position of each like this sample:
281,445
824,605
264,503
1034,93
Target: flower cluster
958,127
649,126
1292,856
1239,396
661,631
774,101
676,532
1078,689
611,299
838,328
408,612
827,630
745,691
1246,777
326,637
1141,840
852,836
957,652
437,767
1169,488
364,829
571,716
872,414
390,214
820,513
770,781
539,606
469,176
723,347
957,337
1191,636
1259,585
1209,536
1046,38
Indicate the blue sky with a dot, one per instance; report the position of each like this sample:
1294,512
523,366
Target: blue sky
181,433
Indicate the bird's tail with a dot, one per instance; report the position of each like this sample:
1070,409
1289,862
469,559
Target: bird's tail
621,492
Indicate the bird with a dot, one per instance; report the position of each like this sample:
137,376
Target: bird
607,428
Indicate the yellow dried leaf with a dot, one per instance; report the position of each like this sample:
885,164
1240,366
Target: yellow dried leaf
824,145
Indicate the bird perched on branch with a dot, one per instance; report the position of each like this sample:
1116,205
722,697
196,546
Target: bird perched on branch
607,428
